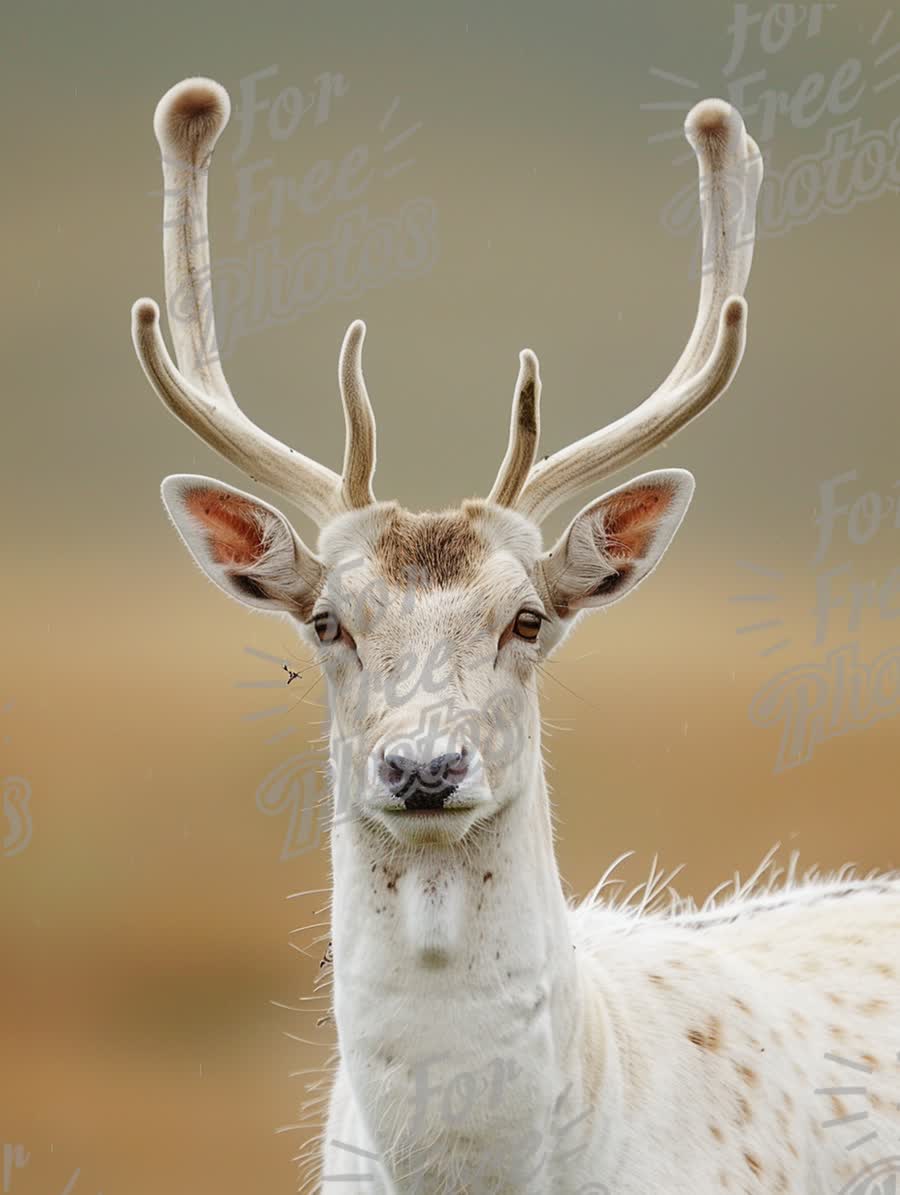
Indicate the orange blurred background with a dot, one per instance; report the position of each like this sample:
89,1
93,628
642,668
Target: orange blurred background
145,926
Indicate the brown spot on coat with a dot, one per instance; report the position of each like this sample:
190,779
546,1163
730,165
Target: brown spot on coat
708,1039
872,1007
754,1163
747,1073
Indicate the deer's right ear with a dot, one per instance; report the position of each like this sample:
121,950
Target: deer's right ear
244,546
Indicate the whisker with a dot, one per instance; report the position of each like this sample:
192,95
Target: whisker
557,681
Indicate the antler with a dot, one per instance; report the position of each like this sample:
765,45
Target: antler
189,119
359,447
730,176
524,433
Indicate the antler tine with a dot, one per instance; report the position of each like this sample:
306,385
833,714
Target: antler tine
730,168
224,427
359,446
731,172
188,121
524,432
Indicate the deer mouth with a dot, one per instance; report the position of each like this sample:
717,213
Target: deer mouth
422,803
417,797
443,816
426,811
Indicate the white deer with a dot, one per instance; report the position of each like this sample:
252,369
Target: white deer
493,1038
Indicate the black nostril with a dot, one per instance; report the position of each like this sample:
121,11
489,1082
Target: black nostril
445,768
397,772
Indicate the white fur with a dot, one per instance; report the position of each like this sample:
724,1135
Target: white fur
700,1047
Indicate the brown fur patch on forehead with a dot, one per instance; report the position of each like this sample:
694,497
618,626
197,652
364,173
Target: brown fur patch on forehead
429,550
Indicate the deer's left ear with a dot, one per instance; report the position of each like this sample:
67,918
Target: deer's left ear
611,545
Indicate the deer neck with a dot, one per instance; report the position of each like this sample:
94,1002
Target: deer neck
473,936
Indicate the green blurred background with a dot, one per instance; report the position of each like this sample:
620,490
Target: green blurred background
144,929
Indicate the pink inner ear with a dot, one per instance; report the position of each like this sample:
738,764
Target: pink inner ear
630,521
233,531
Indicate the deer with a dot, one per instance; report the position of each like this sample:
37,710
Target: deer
494,1035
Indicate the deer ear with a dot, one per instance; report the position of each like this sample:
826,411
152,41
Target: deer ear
616,541
244,546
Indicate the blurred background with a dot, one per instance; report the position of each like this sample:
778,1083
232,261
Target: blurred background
512,175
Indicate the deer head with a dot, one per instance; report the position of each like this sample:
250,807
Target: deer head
413,614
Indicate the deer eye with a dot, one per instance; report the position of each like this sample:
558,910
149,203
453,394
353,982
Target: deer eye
527,625
326,627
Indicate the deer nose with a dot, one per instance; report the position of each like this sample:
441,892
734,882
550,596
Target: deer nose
425,785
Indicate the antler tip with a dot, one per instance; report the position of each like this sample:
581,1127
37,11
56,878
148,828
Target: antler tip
713,124
353,341
734,311
191,115
529,384
144,312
